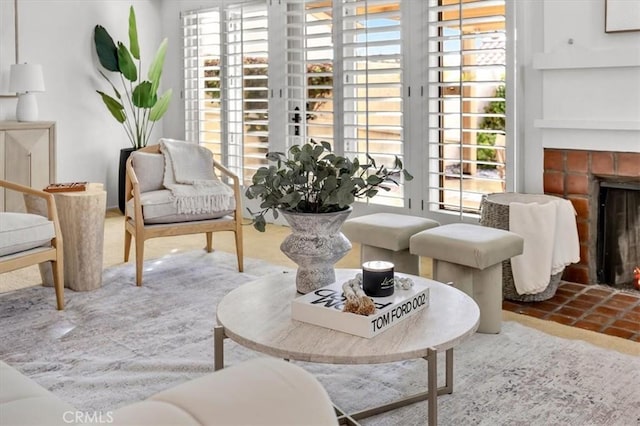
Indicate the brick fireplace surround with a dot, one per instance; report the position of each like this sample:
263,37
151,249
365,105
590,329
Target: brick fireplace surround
573,175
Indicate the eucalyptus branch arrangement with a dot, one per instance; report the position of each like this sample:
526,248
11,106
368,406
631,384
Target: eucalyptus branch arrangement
310,178
136,105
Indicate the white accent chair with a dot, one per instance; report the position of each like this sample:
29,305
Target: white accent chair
262,391
150,211
29,239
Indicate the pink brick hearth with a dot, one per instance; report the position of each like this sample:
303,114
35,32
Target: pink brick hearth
575,175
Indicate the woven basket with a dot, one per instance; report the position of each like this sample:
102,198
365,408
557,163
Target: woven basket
494,212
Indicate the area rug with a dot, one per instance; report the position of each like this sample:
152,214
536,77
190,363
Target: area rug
123,343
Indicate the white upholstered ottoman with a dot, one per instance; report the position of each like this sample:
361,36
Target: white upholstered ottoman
471,257
385,236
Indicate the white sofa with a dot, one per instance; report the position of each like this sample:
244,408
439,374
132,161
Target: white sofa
262,391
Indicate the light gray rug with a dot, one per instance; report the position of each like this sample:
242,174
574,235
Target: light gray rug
122,343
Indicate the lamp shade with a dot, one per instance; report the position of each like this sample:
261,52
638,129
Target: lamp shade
24,78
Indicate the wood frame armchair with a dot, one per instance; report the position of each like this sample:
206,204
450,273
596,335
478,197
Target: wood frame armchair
135,225
34,256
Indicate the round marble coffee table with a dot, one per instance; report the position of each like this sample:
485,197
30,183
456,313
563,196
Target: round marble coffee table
257,315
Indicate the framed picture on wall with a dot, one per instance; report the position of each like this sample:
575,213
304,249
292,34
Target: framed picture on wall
621,16
8,43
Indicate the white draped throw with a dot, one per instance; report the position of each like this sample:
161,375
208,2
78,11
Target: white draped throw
550,242
190,177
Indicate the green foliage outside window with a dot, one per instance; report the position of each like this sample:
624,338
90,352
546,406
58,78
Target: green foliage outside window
493,123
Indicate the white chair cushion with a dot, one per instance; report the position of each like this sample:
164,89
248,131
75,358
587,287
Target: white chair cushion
24,402
262,391
158,207
23,231
474,246
149,170
389,231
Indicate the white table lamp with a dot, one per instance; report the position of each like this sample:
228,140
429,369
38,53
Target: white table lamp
25,79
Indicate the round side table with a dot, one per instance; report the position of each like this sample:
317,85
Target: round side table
81,215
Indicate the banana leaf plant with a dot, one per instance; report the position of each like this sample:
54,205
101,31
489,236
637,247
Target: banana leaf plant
136,105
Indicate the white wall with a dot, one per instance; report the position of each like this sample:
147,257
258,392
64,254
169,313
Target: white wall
173,121
582,85
59,35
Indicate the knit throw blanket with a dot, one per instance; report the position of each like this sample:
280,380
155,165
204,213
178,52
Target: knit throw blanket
190,177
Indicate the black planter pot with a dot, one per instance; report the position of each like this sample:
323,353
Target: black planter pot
122,171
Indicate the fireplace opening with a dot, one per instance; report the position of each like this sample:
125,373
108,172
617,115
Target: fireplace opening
618,232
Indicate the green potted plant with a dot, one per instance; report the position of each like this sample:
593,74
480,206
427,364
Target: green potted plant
136,105
313,189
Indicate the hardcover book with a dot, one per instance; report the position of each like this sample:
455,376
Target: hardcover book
66,187
323,307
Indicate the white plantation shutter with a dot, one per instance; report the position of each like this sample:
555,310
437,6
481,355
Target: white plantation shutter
310,61
423,80
466,137
226,83
202,82
248,100
373,85
347,91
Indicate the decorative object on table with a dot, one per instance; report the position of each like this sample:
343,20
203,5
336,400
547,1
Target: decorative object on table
136,104
324,307
377,278
357,302
66,187
313,187
26,79
636,278
315,245
404,283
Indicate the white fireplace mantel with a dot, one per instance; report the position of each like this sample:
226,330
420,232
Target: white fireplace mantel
592,135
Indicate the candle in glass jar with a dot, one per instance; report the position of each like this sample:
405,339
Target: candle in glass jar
377,278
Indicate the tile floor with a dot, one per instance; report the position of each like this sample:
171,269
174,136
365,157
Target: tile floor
593,307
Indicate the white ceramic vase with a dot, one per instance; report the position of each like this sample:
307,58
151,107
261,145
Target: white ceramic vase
315,245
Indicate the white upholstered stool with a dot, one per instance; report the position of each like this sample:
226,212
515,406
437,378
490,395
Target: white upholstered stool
471,257
385,236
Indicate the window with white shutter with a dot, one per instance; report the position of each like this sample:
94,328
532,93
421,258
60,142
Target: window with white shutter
310,72
347,92
466,102
372,64
226,83
202,47
421,80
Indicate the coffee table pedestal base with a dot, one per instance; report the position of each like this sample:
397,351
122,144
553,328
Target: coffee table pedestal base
351,419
